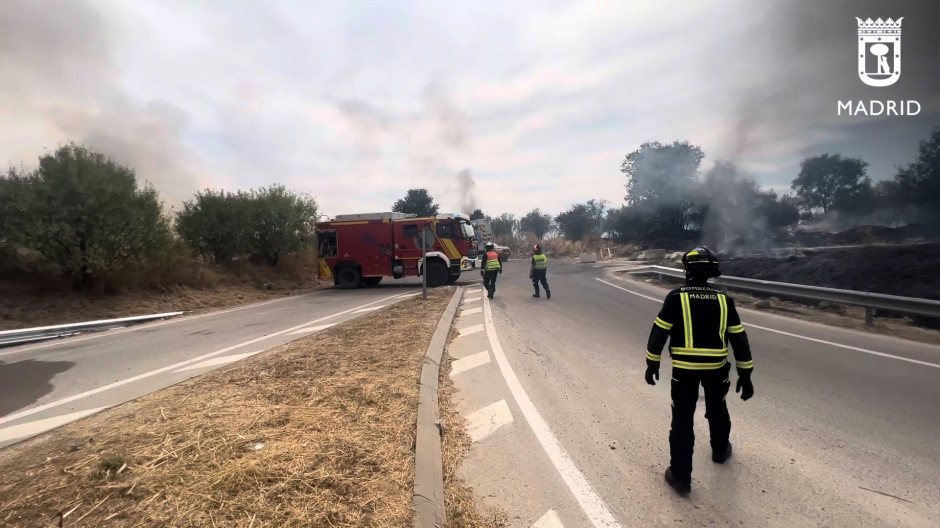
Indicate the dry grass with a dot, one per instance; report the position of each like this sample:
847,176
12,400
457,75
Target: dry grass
319,432
461,508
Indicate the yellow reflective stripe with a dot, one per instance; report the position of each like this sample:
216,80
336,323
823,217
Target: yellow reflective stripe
723,353
450,248
653,357
736,329
745,364
697,366
325,271
723,321
662,324
686,319
707,350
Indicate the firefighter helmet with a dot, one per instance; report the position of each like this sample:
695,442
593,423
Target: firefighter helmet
489,245
700,262
537,248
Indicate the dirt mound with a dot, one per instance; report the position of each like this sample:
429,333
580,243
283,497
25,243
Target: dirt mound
908,270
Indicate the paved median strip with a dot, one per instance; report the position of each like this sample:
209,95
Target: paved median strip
471,311
28,429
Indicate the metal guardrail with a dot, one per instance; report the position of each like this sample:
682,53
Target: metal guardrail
870,301
28,335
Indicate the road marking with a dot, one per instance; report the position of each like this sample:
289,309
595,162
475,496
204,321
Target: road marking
470,330
549,520
813,339
470,362
214,362
310,329
849,347
471,311
63,401
487,420
478,290
472,299
631,291
16,432
147,326
372,309
590,502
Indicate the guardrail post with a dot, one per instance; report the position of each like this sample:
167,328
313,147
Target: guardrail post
869,316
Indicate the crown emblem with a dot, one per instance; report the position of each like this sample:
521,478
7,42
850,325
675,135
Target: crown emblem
879,26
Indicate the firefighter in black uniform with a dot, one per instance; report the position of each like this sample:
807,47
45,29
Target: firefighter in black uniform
700,322
491,268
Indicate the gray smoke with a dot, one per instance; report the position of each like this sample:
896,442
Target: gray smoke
806,56
466,188
58,70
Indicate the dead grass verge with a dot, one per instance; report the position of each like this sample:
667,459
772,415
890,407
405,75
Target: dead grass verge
459,503
319,432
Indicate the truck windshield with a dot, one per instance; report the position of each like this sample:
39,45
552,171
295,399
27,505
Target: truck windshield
467,231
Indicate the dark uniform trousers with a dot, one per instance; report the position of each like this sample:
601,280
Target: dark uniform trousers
685,391
489,281
540,276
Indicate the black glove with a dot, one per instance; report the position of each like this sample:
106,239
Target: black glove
652,371
744,382
500,271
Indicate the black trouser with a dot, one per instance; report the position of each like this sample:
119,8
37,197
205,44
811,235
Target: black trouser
489,281
684,397
537,277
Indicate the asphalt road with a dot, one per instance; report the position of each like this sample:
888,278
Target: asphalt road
843,429
46,385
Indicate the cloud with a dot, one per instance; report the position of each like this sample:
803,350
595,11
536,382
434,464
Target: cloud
538,101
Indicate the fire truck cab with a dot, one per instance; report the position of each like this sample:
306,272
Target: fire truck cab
361,249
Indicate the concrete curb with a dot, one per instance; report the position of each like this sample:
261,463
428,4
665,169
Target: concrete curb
429,470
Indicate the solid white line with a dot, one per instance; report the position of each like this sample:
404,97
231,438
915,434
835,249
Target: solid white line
215,362
486,421
311,329
63,401
147,326
471,311
631,291
590,502
549,520
372,309
470,330
470,362
31,428
813,339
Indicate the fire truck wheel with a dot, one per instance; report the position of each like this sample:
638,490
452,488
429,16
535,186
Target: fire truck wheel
437,273
349,278
371,281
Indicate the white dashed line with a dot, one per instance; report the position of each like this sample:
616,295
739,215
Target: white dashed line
470,330
215,362
471,311
549,520
487,420
470,362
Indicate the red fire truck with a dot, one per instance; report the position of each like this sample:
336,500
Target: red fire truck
362,249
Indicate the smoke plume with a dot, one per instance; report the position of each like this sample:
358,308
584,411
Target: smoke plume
466,188
60,84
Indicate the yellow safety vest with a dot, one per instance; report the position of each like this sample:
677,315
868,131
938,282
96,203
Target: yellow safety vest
492,261
541,262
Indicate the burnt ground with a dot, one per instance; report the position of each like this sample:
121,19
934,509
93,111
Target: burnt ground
905,270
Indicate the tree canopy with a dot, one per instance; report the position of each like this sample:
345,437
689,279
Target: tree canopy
418,202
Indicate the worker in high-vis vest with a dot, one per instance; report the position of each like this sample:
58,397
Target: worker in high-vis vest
538,271
700,323
491,268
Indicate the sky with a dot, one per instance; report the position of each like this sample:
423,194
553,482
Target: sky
498,105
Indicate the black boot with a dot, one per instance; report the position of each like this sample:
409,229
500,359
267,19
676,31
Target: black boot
548,294
681,487
536,294
720,458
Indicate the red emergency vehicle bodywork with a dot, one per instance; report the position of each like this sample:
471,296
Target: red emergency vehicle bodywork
367,248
